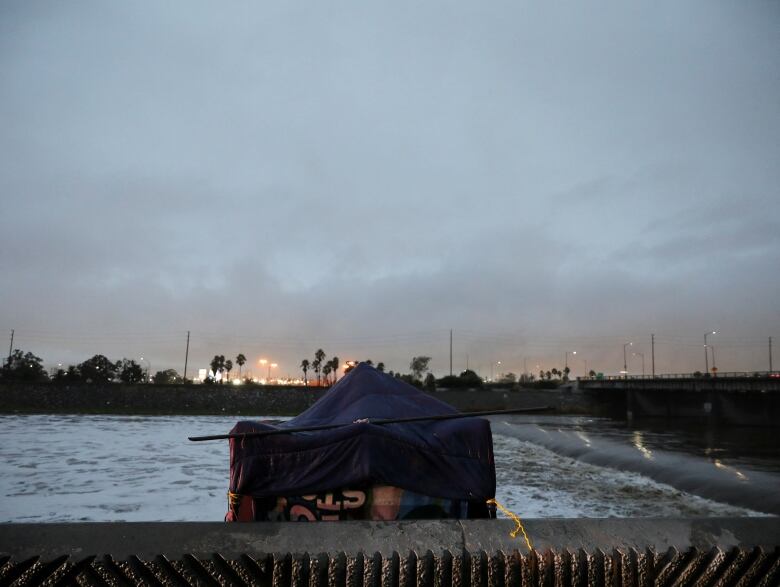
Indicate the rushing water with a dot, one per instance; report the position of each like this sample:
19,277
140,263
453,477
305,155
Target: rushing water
141,468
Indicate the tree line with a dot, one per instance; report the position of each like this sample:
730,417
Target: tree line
27,367
327,371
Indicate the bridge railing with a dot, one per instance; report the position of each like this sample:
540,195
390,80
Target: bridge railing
697,375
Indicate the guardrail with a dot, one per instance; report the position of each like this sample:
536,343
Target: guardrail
719,375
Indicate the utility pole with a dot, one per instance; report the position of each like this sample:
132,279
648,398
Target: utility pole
625,361
450,352
770,354
652,353
186,356
11,347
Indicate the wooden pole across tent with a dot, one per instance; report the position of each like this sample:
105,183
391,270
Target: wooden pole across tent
378,422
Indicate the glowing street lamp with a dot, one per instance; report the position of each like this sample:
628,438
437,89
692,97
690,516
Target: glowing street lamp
566,359
706,358
274,365
498,363
149,369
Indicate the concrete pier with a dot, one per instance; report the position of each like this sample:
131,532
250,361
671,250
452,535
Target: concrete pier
420,553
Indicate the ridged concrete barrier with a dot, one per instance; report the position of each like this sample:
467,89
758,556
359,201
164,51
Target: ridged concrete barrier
735,551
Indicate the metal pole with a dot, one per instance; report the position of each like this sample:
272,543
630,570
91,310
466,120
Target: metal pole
450,352
706,358
652,353
714,368
271,431
186,356
625,360
770,354
11,347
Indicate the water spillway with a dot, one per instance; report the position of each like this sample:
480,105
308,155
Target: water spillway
710,477
724,551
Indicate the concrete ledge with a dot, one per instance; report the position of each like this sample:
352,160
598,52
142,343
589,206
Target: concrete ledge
147,540
613,552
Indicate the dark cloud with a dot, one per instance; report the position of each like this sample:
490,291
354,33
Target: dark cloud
365,178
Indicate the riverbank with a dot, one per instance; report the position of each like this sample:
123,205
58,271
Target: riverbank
245,400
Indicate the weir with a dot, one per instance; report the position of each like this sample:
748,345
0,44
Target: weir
723,551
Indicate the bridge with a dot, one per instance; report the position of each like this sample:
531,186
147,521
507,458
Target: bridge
737,398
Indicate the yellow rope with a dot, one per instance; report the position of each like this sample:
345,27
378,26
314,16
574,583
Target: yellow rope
233,499
516,518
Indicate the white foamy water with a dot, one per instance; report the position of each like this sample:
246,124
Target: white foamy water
140,468
535,482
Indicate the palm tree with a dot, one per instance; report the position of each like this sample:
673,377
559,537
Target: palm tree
240,360
317,364
228,367
334,363
326,371
380,367
305,368
217,364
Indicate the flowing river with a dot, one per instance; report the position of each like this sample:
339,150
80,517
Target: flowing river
69,468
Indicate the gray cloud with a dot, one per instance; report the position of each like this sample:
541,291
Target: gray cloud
283,177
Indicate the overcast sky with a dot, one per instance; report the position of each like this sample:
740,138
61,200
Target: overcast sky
540,177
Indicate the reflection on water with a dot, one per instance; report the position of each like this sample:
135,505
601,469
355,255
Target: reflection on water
139,468
639,443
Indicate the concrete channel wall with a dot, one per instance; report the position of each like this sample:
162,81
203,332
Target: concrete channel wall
614,552
239,400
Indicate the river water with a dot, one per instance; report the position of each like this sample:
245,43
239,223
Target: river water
142,468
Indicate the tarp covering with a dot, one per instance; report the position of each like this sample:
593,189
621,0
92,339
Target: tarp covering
450,459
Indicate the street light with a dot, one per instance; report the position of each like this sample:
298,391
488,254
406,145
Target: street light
643,361
625,360
491,368
566,359
149,369
262,364
706,359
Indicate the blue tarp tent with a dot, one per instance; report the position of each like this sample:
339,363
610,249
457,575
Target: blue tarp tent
450,459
